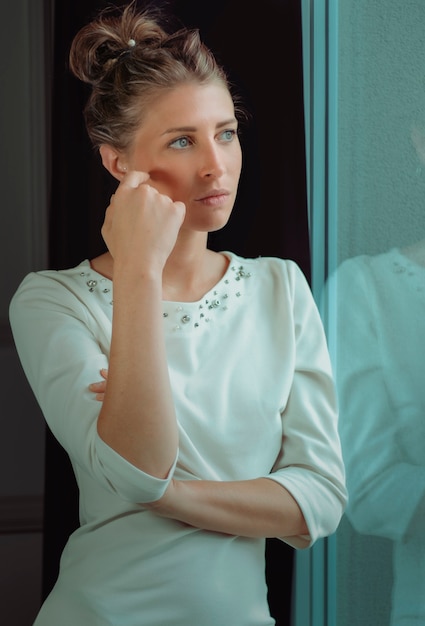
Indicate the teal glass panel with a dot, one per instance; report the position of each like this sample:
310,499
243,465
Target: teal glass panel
370,285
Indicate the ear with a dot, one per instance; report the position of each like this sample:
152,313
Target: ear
113,161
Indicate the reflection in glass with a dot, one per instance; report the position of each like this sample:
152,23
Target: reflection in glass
376,295
381,384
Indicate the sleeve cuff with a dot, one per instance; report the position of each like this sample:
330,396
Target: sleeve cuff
126,480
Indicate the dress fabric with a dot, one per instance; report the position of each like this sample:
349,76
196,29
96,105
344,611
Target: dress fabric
254,396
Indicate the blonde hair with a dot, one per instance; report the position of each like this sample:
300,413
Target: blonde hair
129,60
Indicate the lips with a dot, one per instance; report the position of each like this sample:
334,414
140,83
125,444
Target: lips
214,194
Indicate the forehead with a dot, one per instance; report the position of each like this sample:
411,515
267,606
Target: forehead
189,105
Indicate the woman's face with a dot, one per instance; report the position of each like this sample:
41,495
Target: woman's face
189,146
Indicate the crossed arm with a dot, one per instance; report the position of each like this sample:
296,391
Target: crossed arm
249,508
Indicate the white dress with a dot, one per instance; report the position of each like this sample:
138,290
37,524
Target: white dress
254,397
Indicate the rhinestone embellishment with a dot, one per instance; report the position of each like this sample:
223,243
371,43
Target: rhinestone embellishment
409,270
217,304
93,283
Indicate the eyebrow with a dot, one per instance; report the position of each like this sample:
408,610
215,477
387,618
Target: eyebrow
193,129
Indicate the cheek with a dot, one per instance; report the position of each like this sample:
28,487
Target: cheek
166,180
161,175
235,163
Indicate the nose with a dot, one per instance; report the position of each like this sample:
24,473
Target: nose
211,161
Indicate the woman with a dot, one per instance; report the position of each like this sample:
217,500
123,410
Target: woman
196,403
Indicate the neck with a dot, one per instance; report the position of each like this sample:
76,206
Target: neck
191,270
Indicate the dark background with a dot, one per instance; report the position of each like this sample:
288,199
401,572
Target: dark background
260,47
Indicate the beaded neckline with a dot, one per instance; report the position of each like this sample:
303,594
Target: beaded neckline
405,266
184,315
180,315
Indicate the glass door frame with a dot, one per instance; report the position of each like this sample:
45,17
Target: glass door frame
315,588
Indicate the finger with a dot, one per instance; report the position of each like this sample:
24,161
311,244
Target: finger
133,179
98,387
104,373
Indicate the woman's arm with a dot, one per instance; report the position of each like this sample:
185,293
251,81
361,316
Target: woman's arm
249,508
137,418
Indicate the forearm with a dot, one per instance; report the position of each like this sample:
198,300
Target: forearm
137,418
250,508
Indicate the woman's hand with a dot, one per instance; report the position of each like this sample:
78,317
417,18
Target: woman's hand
141,225
99,388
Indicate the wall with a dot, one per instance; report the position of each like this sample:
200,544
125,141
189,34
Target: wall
22,249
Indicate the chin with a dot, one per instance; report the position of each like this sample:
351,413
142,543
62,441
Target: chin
211,226
212,222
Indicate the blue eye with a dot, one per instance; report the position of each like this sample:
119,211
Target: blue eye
180,143
228,134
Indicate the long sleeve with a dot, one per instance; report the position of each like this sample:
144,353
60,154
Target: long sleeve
310,462
62,344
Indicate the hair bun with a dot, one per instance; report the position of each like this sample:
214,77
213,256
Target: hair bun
98,45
